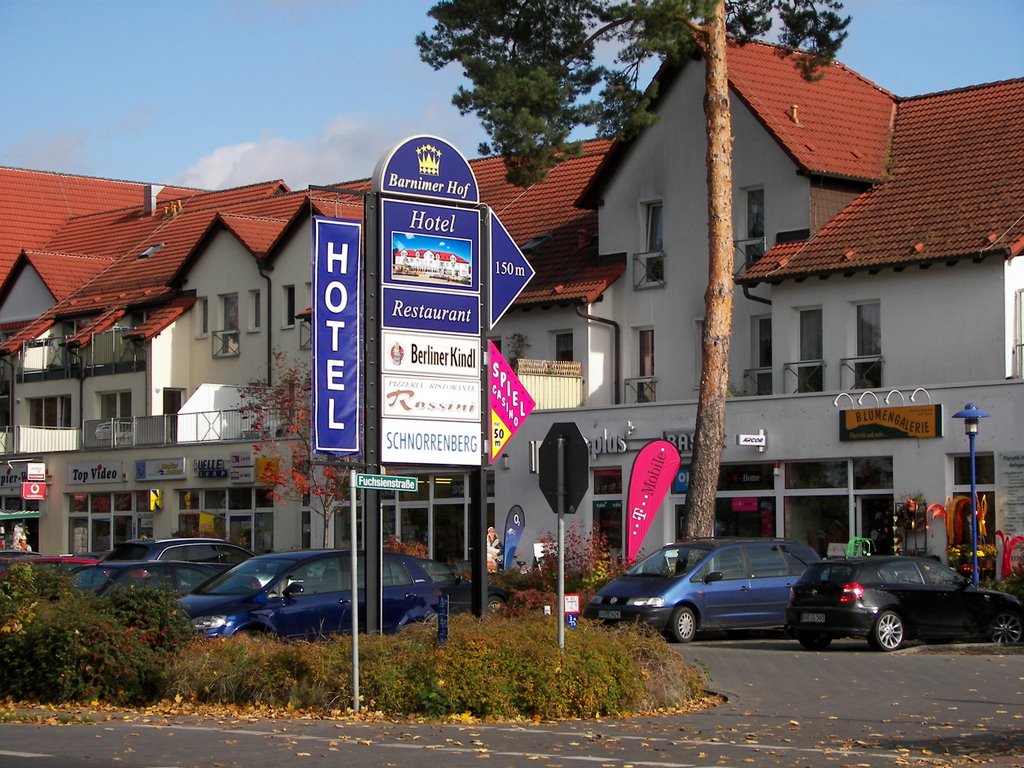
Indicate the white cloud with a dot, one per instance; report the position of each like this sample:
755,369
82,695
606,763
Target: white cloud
348,148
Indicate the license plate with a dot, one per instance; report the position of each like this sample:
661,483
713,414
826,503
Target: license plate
609,614
812,618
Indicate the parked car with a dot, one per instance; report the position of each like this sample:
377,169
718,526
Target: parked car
307,594
460,589
196,550
177,577
64,563
890,600
715,583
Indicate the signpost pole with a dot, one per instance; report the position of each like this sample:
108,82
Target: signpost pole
354,585
561,541
372,523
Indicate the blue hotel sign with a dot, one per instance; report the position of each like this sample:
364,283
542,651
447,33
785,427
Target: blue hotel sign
337,335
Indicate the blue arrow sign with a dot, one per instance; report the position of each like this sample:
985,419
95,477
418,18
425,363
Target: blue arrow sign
510,271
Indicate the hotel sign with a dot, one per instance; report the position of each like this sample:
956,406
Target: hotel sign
896,423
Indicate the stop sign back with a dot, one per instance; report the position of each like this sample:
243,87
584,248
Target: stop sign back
576,461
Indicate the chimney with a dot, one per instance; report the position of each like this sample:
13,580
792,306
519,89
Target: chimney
151,191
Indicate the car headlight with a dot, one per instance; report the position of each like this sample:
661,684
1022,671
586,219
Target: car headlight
646,602
208,623
596,599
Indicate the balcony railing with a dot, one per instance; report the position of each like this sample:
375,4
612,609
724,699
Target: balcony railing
866,371
752,248
809,375
649,269
642,389
144,431
552,383
759,381
225,343
106,353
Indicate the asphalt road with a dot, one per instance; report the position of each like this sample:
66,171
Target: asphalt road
845,707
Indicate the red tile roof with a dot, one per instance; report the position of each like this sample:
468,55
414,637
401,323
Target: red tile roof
161,317
35,204
955,190
842,120
62,273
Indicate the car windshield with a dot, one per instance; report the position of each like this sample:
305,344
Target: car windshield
247,577
670,561
438,572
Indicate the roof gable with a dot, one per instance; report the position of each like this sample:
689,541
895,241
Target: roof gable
955,191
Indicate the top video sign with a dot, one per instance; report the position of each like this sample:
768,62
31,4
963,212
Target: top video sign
426,166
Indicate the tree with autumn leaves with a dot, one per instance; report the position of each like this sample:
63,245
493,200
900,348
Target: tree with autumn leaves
532,67
282,414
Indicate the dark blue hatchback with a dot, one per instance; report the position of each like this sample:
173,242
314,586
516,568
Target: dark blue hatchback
307,594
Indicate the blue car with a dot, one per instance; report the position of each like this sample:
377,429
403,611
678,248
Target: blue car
306,594
731,584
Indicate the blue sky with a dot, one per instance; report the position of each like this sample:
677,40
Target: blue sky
215,93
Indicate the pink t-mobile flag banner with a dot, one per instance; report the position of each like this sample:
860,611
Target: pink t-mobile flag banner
653,471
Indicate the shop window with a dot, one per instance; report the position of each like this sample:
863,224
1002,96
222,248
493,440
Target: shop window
816,474
984,470
608,521
818,520
746,477
607,481
872,473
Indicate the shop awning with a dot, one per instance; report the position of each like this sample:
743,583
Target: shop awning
17,515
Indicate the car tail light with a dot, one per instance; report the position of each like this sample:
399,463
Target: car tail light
851,592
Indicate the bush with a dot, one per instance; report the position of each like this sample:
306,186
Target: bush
61,646
490,669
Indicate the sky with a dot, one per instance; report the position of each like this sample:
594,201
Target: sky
220,93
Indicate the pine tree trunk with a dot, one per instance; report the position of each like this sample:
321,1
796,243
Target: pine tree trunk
714,376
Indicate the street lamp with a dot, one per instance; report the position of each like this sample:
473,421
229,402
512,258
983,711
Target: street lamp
970,414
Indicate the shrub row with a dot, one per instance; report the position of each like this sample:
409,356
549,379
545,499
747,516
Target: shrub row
135,647
498,668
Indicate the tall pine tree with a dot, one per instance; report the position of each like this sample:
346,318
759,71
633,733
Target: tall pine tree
532,66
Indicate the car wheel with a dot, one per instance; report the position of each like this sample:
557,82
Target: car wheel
495,604
814,641
683,625
1006,628
888,632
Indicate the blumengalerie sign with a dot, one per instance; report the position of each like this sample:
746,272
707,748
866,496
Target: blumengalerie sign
895,423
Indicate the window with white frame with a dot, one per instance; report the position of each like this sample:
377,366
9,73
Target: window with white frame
52,411
255,310
563,345
867,366
810,367
202,318
1018,336
753,242
289,306
115,405
649,265
759,377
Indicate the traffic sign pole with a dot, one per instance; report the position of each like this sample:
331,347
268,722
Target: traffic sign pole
561,540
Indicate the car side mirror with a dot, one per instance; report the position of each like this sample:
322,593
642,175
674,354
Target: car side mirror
713,576
293,589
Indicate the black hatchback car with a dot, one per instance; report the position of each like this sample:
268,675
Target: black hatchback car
196,550
890,600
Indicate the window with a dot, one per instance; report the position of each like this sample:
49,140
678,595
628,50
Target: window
759,377
753,242
1018,336
255,311
642,388
867,367
649,266
563,346
50,411
116,405
225,341
289,306
810,368
202,318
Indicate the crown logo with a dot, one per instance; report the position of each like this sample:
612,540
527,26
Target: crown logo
430,160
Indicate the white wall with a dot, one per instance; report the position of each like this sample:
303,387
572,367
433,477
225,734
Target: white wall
28,298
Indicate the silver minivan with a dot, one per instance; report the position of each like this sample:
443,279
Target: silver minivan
714,583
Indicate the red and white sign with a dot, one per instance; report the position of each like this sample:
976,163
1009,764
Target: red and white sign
33,490
35,470
572,604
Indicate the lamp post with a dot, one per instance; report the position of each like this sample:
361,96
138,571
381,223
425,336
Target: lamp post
971,414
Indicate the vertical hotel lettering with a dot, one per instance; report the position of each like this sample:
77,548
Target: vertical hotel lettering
336,336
